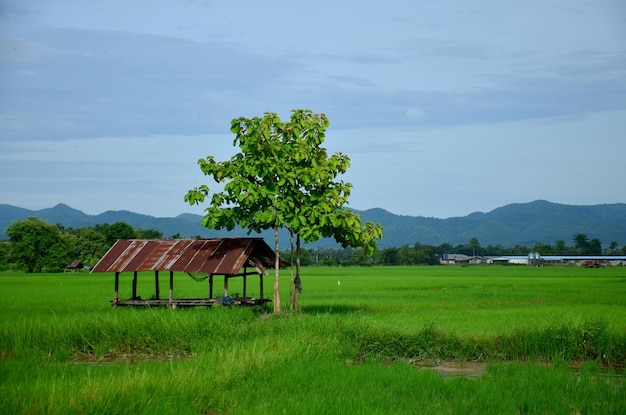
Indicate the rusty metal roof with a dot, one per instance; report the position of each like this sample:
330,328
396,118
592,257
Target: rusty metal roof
212,256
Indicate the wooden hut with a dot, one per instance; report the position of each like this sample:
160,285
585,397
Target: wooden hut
225,257
74,266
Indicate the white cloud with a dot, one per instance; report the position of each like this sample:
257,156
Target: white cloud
110,104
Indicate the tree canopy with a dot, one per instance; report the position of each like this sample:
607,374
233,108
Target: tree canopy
37,245
283,178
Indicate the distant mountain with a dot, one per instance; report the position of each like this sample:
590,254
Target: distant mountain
510,225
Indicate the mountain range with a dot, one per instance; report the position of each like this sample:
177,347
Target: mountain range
510,225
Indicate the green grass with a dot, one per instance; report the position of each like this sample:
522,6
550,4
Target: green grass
355,347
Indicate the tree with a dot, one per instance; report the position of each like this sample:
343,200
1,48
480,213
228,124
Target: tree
148,233
581,243
119,230
542,248
613,248
474,245
560,248
37,245
425,254
89,246
283,178
314,199
594,247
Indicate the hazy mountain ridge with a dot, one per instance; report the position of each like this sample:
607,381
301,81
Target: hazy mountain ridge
510,225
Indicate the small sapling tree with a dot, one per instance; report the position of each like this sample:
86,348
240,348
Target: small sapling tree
283,178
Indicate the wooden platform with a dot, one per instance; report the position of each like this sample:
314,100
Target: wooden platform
191,302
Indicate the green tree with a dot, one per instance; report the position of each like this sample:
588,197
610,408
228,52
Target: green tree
389,256
406,255
426,254
148,233
89,246
118,230
594,247
283,178
560,248
543,248
313,197
5,254
581,243
474,246
37,245
613,248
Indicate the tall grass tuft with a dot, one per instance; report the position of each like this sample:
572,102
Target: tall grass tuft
589,341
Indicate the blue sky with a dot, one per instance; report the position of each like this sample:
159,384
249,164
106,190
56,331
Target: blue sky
445,108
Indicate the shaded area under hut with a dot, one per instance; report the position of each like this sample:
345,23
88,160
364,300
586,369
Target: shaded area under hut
219,257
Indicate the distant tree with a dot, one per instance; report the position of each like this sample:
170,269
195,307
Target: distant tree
560,248
118,230
37,245
581,243
474,246
5,254
148,233
89,245
495,250
406,255
542,248
594,247
613,249
426,255
389,256
445,248
359,258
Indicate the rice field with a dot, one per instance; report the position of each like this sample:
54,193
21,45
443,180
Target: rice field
366,340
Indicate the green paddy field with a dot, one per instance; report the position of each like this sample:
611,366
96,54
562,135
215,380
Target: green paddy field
380,340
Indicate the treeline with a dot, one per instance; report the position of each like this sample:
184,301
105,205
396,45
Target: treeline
420,254
36,246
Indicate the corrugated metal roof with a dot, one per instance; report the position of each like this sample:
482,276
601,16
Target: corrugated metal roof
211,256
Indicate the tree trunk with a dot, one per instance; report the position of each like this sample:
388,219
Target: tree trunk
297,281
291,280
277,274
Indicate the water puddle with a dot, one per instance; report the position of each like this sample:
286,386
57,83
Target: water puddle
477,369
451,369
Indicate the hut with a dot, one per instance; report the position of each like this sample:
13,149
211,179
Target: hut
74,266
211,258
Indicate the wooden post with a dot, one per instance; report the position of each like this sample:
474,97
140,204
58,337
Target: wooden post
225,285
117,288
210,286
261,286
244,285
134,285
171,287
156,285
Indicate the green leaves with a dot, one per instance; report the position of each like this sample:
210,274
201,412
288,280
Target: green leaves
283,177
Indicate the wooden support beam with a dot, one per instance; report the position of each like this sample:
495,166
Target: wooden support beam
157,292
261,286
116,298
245,275
210,286
134,285
171,298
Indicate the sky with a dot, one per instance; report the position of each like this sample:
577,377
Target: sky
444,107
